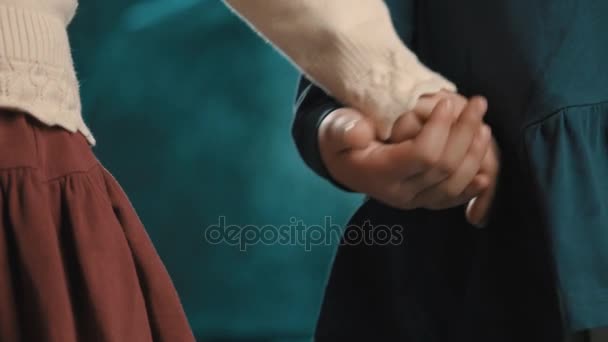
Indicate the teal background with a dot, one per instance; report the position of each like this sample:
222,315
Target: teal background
192,113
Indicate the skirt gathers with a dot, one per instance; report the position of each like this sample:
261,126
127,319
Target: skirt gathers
76,263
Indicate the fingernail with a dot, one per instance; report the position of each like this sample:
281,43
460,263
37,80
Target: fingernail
350,125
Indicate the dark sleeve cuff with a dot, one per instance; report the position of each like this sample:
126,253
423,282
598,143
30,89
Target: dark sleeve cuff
311,108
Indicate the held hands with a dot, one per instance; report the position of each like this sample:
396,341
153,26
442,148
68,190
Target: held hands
478,207
440,155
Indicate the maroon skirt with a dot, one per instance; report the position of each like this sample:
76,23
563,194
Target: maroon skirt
76,263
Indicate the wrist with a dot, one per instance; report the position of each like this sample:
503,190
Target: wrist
383,79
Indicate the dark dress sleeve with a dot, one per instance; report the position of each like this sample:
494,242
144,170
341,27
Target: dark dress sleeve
311,107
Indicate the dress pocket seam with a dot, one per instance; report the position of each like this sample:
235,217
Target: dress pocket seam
561,110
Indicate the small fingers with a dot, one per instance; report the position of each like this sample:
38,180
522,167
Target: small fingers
426,103
450,192
462,135
430,143
455,184
408,126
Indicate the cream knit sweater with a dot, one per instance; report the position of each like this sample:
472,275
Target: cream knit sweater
36,69
348,47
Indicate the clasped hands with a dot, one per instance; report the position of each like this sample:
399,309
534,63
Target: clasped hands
440,155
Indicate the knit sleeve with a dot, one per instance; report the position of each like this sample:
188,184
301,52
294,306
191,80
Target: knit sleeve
350,49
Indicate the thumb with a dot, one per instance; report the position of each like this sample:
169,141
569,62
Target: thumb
346,129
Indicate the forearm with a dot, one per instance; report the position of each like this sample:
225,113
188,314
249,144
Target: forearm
349,48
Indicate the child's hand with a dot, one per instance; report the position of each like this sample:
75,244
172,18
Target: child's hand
478,209
410,124
436,169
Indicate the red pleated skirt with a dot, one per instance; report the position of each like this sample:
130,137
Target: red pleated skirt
76,263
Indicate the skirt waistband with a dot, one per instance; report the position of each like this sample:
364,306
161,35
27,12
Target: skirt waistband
25,142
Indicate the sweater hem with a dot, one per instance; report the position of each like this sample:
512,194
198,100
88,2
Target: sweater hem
70,121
